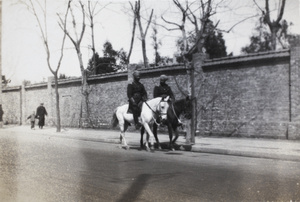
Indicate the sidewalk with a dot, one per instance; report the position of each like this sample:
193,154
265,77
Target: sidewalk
247,147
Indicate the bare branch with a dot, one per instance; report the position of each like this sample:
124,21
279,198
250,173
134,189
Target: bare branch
281,12
149,21
172,23
231,28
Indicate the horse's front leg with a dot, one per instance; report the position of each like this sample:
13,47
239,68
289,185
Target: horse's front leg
176,134
122,136
170,137
147,128
142,136
155,135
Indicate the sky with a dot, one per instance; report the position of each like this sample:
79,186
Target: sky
24,57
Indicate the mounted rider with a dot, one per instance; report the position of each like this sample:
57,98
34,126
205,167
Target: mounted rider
136,94
163,90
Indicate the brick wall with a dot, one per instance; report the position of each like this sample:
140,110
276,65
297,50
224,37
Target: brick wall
11,99
245,96
252,95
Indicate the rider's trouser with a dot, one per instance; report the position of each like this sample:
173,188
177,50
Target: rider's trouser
135,111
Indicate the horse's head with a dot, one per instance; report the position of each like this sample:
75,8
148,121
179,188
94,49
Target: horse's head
163,107
187,110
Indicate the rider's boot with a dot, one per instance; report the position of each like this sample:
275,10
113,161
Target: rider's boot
136,122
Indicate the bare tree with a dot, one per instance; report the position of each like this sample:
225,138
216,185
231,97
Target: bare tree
182,25
204,11
76,39
143,34
43,30
274,25
91,13
132,36
156,43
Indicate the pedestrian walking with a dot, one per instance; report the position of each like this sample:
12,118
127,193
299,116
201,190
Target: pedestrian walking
32,118
1,116
41,112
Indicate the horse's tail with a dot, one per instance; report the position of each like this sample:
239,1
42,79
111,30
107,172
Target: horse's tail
114,120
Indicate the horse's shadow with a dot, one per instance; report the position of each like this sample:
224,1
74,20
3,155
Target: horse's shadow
164,147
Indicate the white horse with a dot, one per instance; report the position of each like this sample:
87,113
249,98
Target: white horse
151,110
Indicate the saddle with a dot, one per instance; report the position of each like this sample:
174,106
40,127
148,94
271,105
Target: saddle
129,111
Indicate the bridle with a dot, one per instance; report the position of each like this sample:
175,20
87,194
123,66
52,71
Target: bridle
158,109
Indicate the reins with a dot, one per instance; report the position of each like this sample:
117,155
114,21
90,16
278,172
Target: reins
175,113
155,111
152,109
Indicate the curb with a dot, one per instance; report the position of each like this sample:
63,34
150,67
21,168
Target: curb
198,149
180,146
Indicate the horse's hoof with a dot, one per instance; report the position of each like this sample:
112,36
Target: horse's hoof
159,148
127,147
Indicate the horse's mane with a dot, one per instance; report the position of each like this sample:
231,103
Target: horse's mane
180,102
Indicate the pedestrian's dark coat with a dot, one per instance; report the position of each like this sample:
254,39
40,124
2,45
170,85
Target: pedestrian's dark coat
40,113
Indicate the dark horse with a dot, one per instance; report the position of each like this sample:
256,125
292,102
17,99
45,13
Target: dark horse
174,111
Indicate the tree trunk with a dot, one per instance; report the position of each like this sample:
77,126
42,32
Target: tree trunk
144,52
58,122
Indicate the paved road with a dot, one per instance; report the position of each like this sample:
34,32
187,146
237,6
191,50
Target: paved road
39,168
247,147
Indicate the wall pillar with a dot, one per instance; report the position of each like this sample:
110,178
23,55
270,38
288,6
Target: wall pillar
23,104
294,122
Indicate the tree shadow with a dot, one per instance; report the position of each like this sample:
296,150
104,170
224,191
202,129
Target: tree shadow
9,160
135,189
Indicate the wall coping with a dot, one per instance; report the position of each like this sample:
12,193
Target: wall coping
168,68
11,88
249,57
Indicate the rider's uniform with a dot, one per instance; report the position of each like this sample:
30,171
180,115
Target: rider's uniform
136,94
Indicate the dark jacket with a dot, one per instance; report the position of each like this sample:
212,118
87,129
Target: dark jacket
136,91
163,90
41,111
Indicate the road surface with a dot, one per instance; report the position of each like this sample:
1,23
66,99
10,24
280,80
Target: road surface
39,168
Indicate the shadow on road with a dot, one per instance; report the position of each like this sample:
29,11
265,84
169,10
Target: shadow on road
9,161
135,189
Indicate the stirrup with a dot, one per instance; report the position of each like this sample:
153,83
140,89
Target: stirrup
138,126
179,123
